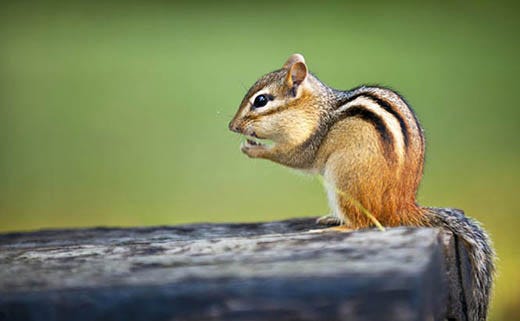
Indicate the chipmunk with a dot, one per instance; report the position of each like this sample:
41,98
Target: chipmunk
369,147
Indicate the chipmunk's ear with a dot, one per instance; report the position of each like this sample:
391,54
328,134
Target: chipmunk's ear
296,72
296,75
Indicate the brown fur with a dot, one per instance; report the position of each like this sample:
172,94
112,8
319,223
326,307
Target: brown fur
352,154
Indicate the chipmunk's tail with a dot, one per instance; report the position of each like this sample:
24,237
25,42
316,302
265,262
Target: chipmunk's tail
481,256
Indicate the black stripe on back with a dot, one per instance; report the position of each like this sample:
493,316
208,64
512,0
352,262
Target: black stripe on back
386,106
387,140
417,124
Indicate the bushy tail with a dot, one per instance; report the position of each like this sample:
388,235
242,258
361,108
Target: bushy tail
480,251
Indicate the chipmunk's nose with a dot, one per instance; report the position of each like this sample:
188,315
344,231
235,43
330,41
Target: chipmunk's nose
234,127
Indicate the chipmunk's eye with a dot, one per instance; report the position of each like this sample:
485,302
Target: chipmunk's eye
260,101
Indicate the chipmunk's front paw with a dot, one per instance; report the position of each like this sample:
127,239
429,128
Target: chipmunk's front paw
255,150
329,220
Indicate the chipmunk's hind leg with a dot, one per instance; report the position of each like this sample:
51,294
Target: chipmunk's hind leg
329,220
333,223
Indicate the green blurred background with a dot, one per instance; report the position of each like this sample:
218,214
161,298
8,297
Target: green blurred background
116,114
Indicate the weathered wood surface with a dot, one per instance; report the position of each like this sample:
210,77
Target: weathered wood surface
265,271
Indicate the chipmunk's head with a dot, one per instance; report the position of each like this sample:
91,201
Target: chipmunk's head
280,107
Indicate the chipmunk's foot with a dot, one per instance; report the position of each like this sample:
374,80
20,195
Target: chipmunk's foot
329,220
339,228
334,223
